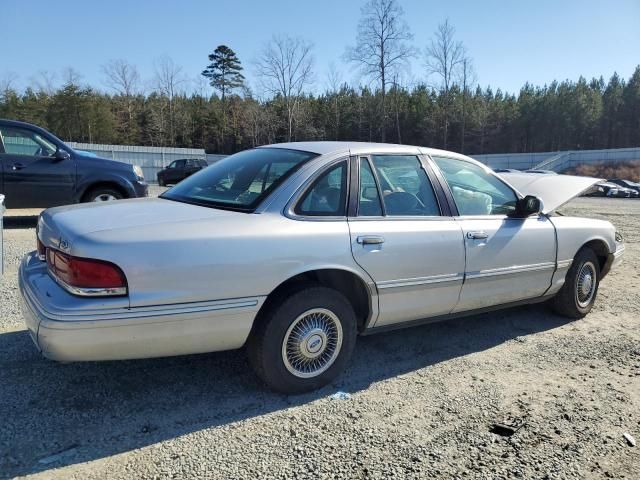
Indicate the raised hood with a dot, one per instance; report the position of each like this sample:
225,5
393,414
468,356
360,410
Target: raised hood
553,190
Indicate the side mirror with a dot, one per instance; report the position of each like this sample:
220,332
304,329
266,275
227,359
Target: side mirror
62,155
529,205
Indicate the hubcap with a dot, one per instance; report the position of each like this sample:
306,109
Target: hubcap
104,197
586,284
312,343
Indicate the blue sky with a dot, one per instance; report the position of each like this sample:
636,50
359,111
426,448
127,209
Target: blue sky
511,42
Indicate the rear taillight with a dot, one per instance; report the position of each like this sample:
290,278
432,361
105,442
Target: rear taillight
86,276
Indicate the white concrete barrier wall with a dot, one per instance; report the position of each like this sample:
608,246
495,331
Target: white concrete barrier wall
154,159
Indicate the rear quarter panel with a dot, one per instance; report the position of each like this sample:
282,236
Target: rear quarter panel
243,255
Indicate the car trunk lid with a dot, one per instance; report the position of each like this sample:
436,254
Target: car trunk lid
61,225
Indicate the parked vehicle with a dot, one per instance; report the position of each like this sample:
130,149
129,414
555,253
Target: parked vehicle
608,189
627,184
295,249
39,170
178,170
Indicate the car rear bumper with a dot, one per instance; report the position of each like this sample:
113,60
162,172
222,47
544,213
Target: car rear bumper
69,328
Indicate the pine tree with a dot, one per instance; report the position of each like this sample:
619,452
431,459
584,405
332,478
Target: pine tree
224,71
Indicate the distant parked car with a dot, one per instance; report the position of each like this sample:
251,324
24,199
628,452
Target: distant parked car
627,184
178,170
545,172
40,170
608,189
295,249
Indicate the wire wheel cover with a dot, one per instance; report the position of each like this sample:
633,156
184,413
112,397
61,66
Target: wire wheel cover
312,343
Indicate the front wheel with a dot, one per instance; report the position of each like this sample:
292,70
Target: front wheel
305,341
578,294
103,194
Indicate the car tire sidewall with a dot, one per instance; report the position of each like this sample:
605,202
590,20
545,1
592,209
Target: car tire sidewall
102,191
275,373
586,256
565,302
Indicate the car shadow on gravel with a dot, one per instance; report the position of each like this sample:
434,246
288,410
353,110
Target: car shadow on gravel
61,414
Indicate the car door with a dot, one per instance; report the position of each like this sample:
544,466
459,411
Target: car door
178,172
191,167
33,175
508,258
401,237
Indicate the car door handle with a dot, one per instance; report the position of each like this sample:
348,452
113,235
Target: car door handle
17,166
477,235
370,240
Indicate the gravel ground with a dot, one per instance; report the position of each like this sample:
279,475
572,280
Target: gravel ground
422,402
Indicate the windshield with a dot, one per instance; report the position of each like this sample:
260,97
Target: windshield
241,181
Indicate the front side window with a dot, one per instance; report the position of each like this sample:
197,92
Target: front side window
240,181
327,196
475,191
20,141
405,186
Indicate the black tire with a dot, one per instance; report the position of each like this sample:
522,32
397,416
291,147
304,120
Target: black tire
104,192
267,341
161,182
567,301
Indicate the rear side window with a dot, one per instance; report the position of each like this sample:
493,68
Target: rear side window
369,203
405,186
476,191
327,196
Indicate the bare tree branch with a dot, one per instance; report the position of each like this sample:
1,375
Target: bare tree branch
122,77
285,68
443,57
382,47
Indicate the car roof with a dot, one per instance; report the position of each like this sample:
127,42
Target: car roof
362,148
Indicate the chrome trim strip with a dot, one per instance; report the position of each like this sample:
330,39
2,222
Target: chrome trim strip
409,282
565,263
511,270
619,251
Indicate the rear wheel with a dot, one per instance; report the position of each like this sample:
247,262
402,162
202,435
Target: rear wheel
103,194
578,294
304,341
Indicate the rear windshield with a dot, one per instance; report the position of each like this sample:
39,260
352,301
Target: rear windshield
241,181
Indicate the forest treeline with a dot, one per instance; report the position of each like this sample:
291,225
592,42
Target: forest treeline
447,110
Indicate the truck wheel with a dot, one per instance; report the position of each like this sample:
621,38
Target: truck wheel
103,194
305,341
161,182
578,294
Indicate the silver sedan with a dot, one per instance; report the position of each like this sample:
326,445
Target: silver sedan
296,249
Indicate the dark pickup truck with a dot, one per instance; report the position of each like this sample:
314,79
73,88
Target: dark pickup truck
37,170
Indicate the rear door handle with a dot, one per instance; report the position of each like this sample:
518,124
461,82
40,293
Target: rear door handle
17,166
370,240
477,235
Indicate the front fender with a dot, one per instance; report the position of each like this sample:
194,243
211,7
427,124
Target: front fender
87,182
